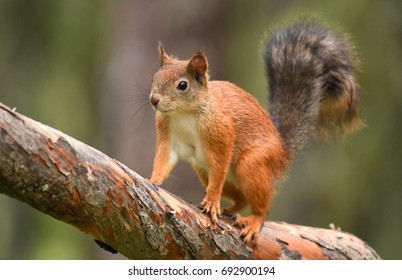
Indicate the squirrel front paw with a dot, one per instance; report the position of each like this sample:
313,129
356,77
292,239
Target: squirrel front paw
211,206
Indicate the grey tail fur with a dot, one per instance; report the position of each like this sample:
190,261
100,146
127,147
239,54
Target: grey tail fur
312,87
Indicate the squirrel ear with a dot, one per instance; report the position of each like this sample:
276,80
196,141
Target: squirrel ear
164,58
198,66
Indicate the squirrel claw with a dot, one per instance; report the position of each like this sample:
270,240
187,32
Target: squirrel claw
156,186
240,222
250,229
212,208
249,235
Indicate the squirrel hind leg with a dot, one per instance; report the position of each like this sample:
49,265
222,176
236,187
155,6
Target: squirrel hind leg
256,184
235,207
234,194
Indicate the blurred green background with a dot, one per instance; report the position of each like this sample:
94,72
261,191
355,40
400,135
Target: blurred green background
85,67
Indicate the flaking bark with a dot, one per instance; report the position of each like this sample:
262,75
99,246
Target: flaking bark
83,187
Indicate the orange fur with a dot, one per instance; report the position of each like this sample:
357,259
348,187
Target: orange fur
223,132
234,146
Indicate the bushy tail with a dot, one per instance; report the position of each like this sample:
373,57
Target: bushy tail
312,88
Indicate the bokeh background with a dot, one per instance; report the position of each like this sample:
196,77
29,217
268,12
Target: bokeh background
85,67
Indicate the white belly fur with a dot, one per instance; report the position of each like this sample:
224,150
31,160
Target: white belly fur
184,142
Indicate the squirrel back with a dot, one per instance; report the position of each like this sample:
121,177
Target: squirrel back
311,84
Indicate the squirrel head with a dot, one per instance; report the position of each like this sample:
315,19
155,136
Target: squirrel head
179,85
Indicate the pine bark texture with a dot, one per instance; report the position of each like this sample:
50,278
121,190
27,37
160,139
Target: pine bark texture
100,196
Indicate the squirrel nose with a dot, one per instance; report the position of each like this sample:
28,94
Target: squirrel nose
154,99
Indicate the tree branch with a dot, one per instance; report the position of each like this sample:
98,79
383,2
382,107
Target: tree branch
81,186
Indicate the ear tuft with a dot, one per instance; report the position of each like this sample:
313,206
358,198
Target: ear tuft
164,58
198,66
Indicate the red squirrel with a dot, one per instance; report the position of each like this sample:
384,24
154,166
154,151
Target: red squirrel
237,148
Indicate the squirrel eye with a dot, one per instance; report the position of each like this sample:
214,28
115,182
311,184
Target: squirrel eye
182,85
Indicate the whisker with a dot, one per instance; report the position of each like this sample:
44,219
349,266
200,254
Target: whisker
138,110
133,99
151,70
147,90
145,113
138,99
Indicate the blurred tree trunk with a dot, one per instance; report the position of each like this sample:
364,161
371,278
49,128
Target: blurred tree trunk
128,120
81,186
